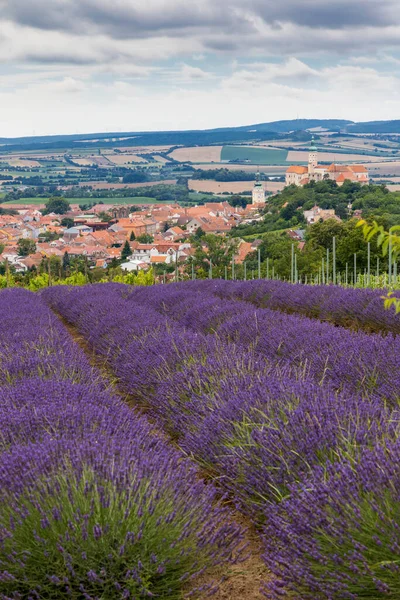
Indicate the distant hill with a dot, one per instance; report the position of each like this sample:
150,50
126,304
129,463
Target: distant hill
297,125
227,135
375,127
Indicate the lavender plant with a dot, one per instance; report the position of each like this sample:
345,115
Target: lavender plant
338,536
101,518
93,503
287,412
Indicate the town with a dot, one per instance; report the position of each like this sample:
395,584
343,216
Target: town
156,234
151,236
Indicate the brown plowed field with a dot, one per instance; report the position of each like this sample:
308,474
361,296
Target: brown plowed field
198,154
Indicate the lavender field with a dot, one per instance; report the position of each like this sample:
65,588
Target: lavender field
126,457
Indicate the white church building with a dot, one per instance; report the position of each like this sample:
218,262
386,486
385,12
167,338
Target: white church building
299,175
258,193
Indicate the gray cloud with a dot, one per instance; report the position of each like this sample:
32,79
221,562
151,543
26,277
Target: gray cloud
119,19
122,19
100,31
58,58
340,14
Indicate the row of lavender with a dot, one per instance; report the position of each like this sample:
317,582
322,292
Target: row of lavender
92,503
354,308
368,365
296,418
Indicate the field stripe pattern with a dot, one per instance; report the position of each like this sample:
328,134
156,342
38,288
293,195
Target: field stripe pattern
286,412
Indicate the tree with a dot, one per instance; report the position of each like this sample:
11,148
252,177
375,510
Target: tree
26,247
199,233
321,234
239,201
51,265
145,238
59,206
105,217
67,222
66,263
126,251
136,176
132,237
48,236
216,250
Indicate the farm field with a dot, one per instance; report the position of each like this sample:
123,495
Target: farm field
201,154
102,185
200,196
253,381
269,170
23,162
254,155
391,167
218,187
124,159
297,156
93,501
231,187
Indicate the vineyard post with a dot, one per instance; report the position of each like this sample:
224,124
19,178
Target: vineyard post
267,268
347,273
334,260
7,273
233,267
245,271
369,263
211,272
296,273
259,263
390,260
327,266
292,265
323,272
192,271
355,269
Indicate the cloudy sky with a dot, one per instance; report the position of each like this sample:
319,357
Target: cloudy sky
71,66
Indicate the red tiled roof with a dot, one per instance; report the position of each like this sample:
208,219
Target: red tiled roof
297,169
358,169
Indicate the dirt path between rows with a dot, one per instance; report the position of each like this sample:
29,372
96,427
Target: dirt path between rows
239,581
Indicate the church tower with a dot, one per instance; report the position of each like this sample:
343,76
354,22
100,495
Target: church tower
312,159
258,192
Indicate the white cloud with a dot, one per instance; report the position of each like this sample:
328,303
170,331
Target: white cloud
189,73
128,64
245,97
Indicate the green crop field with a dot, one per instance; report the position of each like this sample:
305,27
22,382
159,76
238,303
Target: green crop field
200,197
255,156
